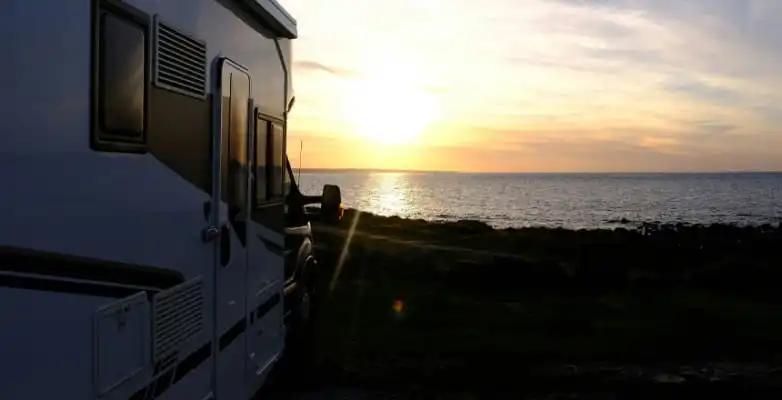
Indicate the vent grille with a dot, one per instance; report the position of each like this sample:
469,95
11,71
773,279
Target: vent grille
178,317
180,61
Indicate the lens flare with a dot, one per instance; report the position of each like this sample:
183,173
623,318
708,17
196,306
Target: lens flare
398,306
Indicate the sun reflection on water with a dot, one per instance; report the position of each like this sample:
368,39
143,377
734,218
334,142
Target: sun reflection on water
390,194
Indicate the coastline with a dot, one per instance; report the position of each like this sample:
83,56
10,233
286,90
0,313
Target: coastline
717,256
511,307
504,222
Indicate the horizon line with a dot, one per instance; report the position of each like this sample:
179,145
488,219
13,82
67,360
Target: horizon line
414,171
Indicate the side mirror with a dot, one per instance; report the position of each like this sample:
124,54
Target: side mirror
331,204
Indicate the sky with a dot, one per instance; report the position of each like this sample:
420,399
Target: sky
538,86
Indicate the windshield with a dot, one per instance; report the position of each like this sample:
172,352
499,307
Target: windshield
288,180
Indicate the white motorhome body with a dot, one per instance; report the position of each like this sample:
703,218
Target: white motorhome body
141,161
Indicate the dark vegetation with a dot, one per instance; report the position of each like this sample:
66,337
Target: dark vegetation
536,310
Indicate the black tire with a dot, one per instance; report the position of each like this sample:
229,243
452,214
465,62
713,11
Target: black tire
301,338
305,299
301,314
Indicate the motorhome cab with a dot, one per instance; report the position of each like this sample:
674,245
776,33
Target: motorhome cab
143,171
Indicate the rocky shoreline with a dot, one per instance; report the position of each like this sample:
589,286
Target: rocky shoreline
543,312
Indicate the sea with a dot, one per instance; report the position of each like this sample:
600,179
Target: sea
573,201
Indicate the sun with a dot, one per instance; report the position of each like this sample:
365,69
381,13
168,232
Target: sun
389,109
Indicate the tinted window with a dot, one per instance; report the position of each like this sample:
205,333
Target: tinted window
261,141
225,137
287,182
122,77
240,92
276,162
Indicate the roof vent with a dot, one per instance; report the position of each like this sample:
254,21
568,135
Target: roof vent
180,61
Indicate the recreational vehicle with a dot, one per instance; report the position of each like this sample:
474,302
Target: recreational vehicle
147,198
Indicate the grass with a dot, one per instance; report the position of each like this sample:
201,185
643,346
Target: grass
487,309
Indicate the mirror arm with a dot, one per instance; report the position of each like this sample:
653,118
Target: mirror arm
310,199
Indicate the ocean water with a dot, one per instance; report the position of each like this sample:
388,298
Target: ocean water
561,200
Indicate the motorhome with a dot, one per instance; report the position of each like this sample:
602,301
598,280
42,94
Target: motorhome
146,198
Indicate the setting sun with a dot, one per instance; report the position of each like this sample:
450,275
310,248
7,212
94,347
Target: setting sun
388,108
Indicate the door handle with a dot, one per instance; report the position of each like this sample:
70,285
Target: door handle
210,233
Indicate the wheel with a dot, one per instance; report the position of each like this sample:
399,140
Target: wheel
300,341
302,310
304,307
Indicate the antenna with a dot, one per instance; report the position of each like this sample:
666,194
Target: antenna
301,148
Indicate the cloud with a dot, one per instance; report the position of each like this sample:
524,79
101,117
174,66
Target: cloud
714,127
629,83
703,91
316,66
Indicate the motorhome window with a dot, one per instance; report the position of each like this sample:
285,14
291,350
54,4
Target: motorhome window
225,137
294,210
238,167
286,189
122,77
261,141
276,162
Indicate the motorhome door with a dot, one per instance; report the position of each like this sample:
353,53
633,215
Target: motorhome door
231,171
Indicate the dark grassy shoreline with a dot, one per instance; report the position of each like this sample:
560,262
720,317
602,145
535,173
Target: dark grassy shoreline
517,309
740,261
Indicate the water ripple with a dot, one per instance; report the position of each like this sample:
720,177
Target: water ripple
562,200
